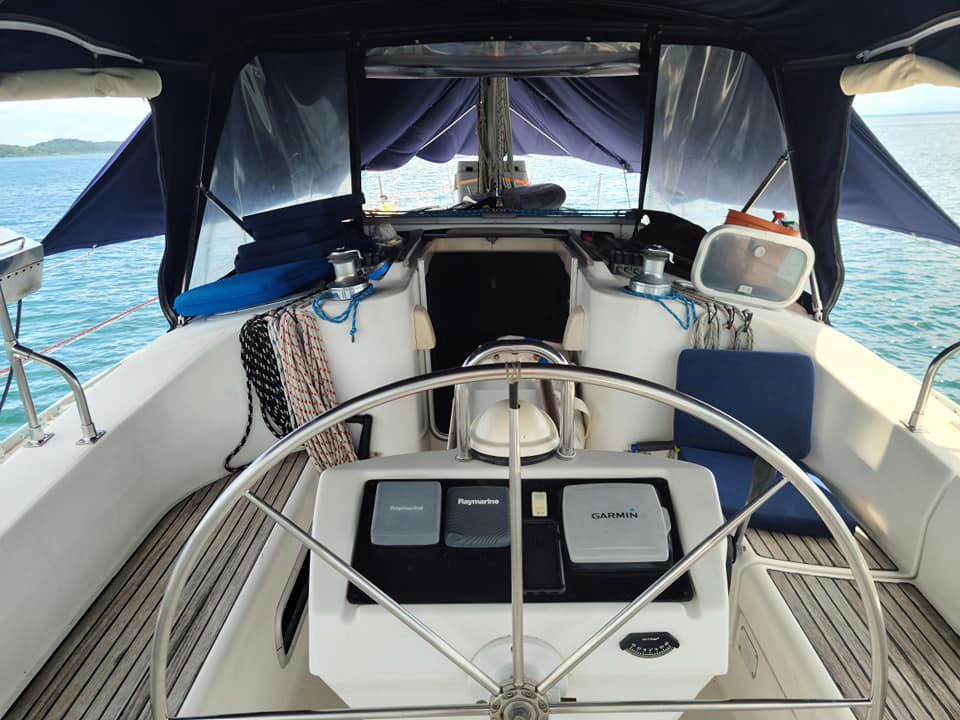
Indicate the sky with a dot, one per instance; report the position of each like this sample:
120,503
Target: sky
29,122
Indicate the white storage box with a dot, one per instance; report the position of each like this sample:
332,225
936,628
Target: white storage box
752,266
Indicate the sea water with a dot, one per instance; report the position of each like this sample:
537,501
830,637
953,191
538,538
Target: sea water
900,298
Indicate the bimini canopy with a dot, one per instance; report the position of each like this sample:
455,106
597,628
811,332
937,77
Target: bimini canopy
199,46
601,120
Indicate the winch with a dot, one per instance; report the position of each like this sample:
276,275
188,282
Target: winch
348,276
651,281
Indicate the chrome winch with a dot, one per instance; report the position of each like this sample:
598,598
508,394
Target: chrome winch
651,281
348,276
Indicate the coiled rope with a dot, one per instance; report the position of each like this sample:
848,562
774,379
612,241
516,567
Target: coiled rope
708,326
353,307
690,307
263,375
743,335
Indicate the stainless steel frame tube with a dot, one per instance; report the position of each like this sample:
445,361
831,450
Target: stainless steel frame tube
516,536
377,595
37,436
485,352
88,431
17,353
913,424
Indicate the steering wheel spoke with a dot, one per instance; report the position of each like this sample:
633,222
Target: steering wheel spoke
516,533
654,590
377,595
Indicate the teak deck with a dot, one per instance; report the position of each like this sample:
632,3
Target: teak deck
100,670
924,651
822,551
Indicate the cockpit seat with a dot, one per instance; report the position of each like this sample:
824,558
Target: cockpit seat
772,392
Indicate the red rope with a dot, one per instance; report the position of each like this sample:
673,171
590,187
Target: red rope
89,330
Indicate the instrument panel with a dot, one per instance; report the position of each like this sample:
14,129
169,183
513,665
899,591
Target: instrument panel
443,553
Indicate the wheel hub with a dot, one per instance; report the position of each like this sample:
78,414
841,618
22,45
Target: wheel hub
519,703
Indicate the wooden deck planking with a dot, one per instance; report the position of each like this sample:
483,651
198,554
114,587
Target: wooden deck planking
100,669
924,651
822,551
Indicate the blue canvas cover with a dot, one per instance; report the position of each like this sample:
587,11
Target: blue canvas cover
197,47
597,119
122,202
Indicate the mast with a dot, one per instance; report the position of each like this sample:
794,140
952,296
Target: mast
494,135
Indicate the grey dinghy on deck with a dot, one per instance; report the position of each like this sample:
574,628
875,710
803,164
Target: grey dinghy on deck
506,458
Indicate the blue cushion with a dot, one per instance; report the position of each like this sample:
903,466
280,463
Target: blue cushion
251,288
769,391
787,511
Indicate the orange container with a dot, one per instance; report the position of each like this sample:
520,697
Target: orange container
735,217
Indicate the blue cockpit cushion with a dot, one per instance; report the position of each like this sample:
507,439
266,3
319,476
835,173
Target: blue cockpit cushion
787,511
243,290
771,392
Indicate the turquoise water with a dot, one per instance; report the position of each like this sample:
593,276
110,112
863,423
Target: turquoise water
900,297
80,288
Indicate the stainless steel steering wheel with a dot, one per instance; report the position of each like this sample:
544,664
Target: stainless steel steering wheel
522,698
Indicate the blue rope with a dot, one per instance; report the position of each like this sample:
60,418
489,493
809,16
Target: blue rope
690,308
353,306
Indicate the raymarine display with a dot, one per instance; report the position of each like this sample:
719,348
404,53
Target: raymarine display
568,555
406,514
477,517
615,525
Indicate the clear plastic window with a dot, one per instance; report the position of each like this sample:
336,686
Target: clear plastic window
716,134
285,141
421,184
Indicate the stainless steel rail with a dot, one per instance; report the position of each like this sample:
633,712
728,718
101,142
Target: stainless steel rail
88,431
701,705
652,592
563,708
791,472
430,711
376,594
941,24
506,347
516,537
913,424
17,353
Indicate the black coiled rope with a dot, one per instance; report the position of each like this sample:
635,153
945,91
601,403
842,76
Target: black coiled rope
263,375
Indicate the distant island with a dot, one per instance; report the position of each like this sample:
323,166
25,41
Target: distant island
59,146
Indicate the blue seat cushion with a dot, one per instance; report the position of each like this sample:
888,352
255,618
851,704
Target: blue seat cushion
247,289
787,511
771,392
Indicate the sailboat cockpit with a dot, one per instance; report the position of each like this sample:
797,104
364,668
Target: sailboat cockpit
498,451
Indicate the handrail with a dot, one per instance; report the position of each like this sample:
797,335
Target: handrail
527,345
88,431
17,353
913,424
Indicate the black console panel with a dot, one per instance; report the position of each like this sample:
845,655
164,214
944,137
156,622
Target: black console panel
440,573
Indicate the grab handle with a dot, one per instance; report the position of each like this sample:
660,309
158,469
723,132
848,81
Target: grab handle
913,424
